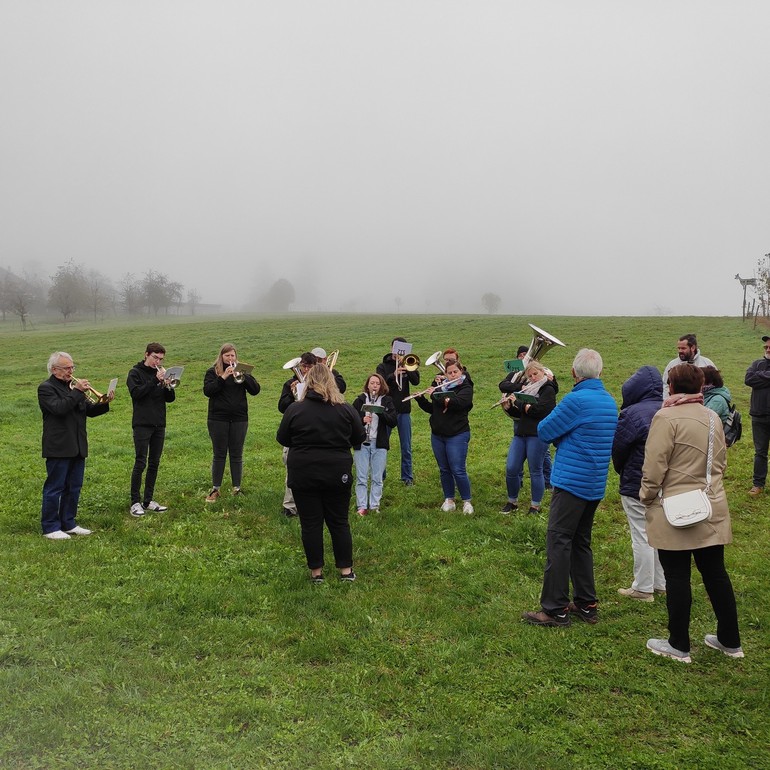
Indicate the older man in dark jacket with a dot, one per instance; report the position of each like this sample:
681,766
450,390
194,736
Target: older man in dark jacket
642,398
65,445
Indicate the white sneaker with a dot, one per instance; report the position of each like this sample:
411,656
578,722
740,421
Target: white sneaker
449,505
467,507
153,506
58,535
78,531
137,509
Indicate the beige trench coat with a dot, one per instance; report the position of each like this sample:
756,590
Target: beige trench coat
675,461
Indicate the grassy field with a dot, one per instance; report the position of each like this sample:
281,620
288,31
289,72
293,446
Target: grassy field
193,639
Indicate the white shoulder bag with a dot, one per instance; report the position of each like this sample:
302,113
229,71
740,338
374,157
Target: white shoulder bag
690,508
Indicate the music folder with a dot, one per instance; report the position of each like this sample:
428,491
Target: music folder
112,386
173,373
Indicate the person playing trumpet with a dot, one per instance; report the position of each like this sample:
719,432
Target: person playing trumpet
150,393
65,445
371,456
228,417
448,405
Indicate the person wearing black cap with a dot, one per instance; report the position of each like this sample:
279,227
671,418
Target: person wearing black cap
758,379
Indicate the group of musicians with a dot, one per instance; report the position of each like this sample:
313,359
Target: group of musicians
384,404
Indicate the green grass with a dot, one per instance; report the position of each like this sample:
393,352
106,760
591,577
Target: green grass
193,639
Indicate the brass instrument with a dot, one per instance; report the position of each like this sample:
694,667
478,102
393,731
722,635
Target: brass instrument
172,383
331,359
541,343
91,394
410,362
437,360
294,365
238,374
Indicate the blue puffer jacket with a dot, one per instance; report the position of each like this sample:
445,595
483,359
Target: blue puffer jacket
582,427
642,398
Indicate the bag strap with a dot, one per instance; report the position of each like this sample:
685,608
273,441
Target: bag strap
710,455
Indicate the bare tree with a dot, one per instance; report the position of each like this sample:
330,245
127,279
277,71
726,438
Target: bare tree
68,289
193,300
131,295
99,292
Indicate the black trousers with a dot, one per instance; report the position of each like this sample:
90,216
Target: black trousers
568,553
316,506
148,441
711,565
227,438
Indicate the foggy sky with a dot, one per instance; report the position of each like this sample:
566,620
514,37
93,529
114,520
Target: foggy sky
571,157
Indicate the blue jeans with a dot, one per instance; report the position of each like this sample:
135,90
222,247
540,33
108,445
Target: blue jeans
369,459
404,425
533,450
61,492
451,452
760,433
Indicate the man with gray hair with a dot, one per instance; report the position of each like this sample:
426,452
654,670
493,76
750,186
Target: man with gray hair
65,408
582,427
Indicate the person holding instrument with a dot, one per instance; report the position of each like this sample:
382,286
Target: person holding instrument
378,414
150,392
65,407
448,405
525,444
319,431
228,417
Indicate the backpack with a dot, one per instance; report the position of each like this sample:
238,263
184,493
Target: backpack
733,426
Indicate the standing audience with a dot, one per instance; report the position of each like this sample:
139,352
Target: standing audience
582,426
687,353
642,397
758,379
715,395
676,459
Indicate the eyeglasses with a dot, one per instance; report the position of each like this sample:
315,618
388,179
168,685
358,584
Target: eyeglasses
157,356
65,368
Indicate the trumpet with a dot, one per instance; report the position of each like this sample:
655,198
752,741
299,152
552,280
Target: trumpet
91,394
238,375
172,383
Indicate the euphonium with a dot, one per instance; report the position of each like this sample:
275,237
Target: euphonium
91,394
437,360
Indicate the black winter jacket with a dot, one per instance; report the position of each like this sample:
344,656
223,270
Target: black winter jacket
227,398
758,379
149,395
64,418
526,420
320,436
387,370
449,418
387,420
642,398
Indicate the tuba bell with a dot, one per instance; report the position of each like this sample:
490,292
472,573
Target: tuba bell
541,343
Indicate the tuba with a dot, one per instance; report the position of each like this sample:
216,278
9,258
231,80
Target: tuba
437,360
92,395
541,343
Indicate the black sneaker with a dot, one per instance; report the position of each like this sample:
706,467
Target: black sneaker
407,482
288,513
349,577
317,579
587,613
509,506
533,511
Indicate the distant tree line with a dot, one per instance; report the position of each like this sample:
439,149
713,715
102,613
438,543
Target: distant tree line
74,291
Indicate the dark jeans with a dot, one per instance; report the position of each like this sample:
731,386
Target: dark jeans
316,506
148,440
760,433
227,437
404,426
711,565
61,492
568,553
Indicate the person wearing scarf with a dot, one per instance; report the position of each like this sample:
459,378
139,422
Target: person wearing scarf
675,461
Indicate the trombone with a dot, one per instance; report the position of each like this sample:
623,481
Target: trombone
410,362
92,395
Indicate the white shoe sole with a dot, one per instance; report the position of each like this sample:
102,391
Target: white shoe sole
723,650
662,654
